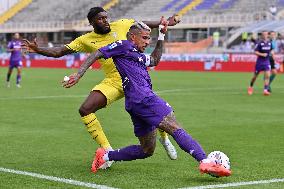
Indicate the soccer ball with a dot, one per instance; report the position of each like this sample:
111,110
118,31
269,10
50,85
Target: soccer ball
220,158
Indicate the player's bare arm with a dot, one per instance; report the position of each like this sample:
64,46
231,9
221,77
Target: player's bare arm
55,52
74,78
260,54
172,21
156,55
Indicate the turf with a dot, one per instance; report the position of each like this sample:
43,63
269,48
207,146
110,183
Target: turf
41,131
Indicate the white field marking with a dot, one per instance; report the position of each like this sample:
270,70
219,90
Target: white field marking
162,92
234,184
56,179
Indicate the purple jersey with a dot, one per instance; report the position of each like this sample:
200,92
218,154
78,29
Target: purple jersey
263,47
16,54
132,66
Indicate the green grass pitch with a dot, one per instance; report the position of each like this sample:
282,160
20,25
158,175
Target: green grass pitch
41,131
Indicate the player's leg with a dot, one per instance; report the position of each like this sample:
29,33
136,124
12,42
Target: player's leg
9,73
95,101
266,82
183,139
272,77
191,146
252,81
19,77
129,153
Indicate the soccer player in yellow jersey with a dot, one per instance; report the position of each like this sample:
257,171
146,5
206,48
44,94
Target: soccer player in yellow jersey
110,89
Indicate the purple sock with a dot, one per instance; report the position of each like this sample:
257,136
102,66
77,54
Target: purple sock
128,153
18,79
189,145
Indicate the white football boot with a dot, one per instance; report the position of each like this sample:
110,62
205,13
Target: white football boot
169,147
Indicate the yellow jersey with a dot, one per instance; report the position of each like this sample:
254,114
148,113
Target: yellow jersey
92,41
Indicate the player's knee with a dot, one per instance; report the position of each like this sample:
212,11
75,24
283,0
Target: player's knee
85,110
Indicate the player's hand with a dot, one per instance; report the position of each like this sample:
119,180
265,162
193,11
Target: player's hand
264,54
71,81
30,46
174,20
163,25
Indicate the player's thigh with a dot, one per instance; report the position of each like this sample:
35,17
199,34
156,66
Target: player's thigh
111,89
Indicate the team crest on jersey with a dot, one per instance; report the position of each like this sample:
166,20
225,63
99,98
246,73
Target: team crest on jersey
114,34
140,59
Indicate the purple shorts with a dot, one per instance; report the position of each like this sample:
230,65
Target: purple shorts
262,67
148,114
15,64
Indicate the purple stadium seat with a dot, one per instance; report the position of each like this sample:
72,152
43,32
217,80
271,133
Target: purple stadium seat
206,4
183,5
169,5
228,4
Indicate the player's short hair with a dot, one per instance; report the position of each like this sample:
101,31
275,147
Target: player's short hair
93,12
137,27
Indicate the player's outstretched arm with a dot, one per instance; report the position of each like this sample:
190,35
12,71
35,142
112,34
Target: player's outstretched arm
260,54
74,78
156,55
55,52
171,21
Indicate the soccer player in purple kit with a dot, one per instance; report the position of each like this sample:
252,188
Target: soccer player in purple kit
263,50
14,47
147,110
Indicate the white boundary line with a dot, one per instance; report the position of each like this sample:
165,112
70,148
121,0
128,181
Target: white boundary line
191,91
56,179
234,184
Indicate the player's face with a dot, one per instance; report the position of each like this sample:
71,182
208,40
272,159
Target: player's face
264,35
142,40
17,36
100,23
272,35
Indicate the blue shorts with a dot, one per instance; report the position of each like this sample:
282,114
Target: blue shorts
15,64
148,114
262,67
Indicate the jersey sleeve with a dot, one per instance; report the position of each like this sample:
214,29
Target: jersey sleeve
257,47
114,49
10,45
76,45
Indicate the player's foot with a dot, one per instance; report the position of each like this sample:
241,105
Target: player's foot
98,160
266,92
250,91
213,169
169,147
269,89
18,85
8,84
107,164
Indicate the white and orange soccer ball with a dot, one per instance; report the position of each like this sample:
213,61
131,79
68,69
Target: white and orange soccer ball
220,158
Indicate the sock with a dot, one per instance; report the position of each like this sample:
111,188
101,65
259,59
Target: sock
127,154
18,78
272,77
266,87
163,134
189,145
95,129
8,77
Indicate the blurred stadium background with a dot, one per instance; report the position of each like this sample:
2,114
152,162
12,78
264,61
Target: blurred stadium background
216,35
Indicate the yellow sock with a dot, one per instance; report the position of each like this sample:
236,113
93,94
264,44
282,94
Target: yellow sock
95,129
163,134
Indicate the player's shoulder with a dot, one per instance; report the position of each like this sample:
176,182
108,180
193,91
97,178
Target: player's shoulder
122,22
